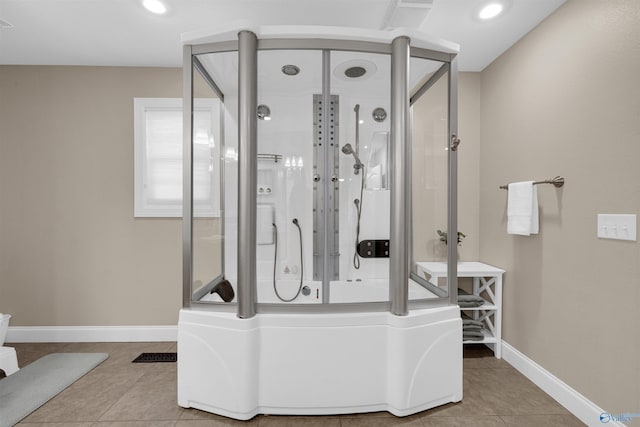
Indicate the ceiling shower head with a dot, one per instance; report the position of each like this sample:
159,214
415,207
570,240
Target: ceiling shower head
355,72
290,69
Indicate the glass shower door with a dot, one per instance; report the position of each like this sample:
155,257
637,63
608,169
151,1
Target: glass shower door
430,175
361,82
209,283
288,83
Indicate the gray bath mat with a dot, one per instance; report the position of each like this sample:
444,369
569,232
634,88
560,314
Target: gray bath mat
32,386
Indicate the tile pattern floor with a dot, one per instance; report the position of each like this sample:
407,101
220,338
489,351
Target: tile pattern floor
119,393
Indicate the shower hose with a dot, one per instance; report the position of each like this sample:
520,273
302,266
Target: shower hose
275,260
358,203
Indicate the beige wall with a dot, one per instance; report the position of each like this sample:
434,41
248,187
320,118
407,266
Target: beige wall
71,252
469,130
565,101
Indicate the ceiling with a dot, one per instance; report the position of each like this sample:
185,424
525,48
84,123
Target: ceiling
123,33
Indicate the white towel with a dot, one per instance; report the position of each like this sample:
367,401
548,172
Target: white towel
522,209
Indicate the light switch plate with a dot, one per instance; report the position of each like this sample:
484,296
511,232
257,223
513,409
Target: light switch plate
617,226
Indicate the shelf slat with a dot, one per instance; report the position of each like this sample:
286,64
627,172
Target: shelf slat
488,339
486,307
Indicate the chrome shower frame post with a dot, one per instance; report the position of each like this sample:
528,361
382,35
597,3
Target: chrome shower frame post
247,171
187,176
327,168
400,178
452,198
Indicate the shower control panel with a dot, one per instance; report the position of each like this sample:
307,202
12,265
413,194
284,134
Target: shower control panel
264,189
373,248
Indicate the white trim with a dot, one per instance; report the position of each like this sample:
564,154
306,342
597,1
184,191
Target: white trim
21,334
584,409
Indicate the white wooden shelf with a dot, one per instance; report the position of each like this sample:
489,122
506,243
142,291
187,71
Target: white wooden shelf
487,283
488,339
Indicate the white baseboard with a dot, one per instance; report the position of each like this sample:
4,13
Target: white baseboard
584,409
21,334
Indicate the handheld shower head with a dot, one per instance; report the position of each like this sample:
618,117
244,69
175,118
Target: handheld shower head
348,149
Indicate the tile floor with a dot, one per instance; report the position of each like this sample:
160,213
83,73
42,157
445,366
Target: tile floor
120,394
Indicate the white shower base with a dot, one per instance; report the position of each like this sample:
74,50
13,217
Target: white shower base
342,291
319,364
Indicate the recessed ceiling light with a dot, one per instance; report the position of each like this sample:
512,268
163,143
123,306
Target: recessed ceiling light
155,6
490,11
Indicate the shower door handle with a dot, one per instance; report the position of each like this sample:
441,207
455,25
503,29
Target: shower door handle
455,141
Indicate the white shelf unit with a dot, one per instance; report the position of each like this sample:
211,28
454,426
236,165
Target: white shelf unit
487,283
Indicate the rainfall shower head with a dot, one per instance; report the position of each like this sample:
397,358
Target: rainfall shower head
348,150
290,70
355,72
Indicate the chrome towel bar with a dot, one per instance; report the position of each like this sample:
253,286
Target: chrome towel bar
557,181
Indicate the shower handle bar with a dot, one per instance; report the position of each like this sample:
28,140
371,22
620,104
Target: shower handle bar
357,111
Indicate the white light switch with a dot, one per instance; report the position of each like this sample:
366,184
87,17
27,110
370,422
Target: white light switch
616,226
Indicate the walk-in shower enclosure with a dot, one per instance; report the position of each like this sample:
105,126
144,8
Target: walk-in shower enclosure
319,164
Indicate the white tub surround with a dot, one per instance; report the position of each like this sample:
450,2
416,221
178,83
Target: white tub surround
319,364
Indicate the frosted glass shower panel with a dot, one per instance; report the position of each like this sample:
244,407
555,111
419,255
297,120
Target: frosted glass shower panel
429,157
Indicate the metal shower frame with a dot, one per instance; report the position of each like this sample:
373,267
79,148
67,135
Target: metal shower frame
247,47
